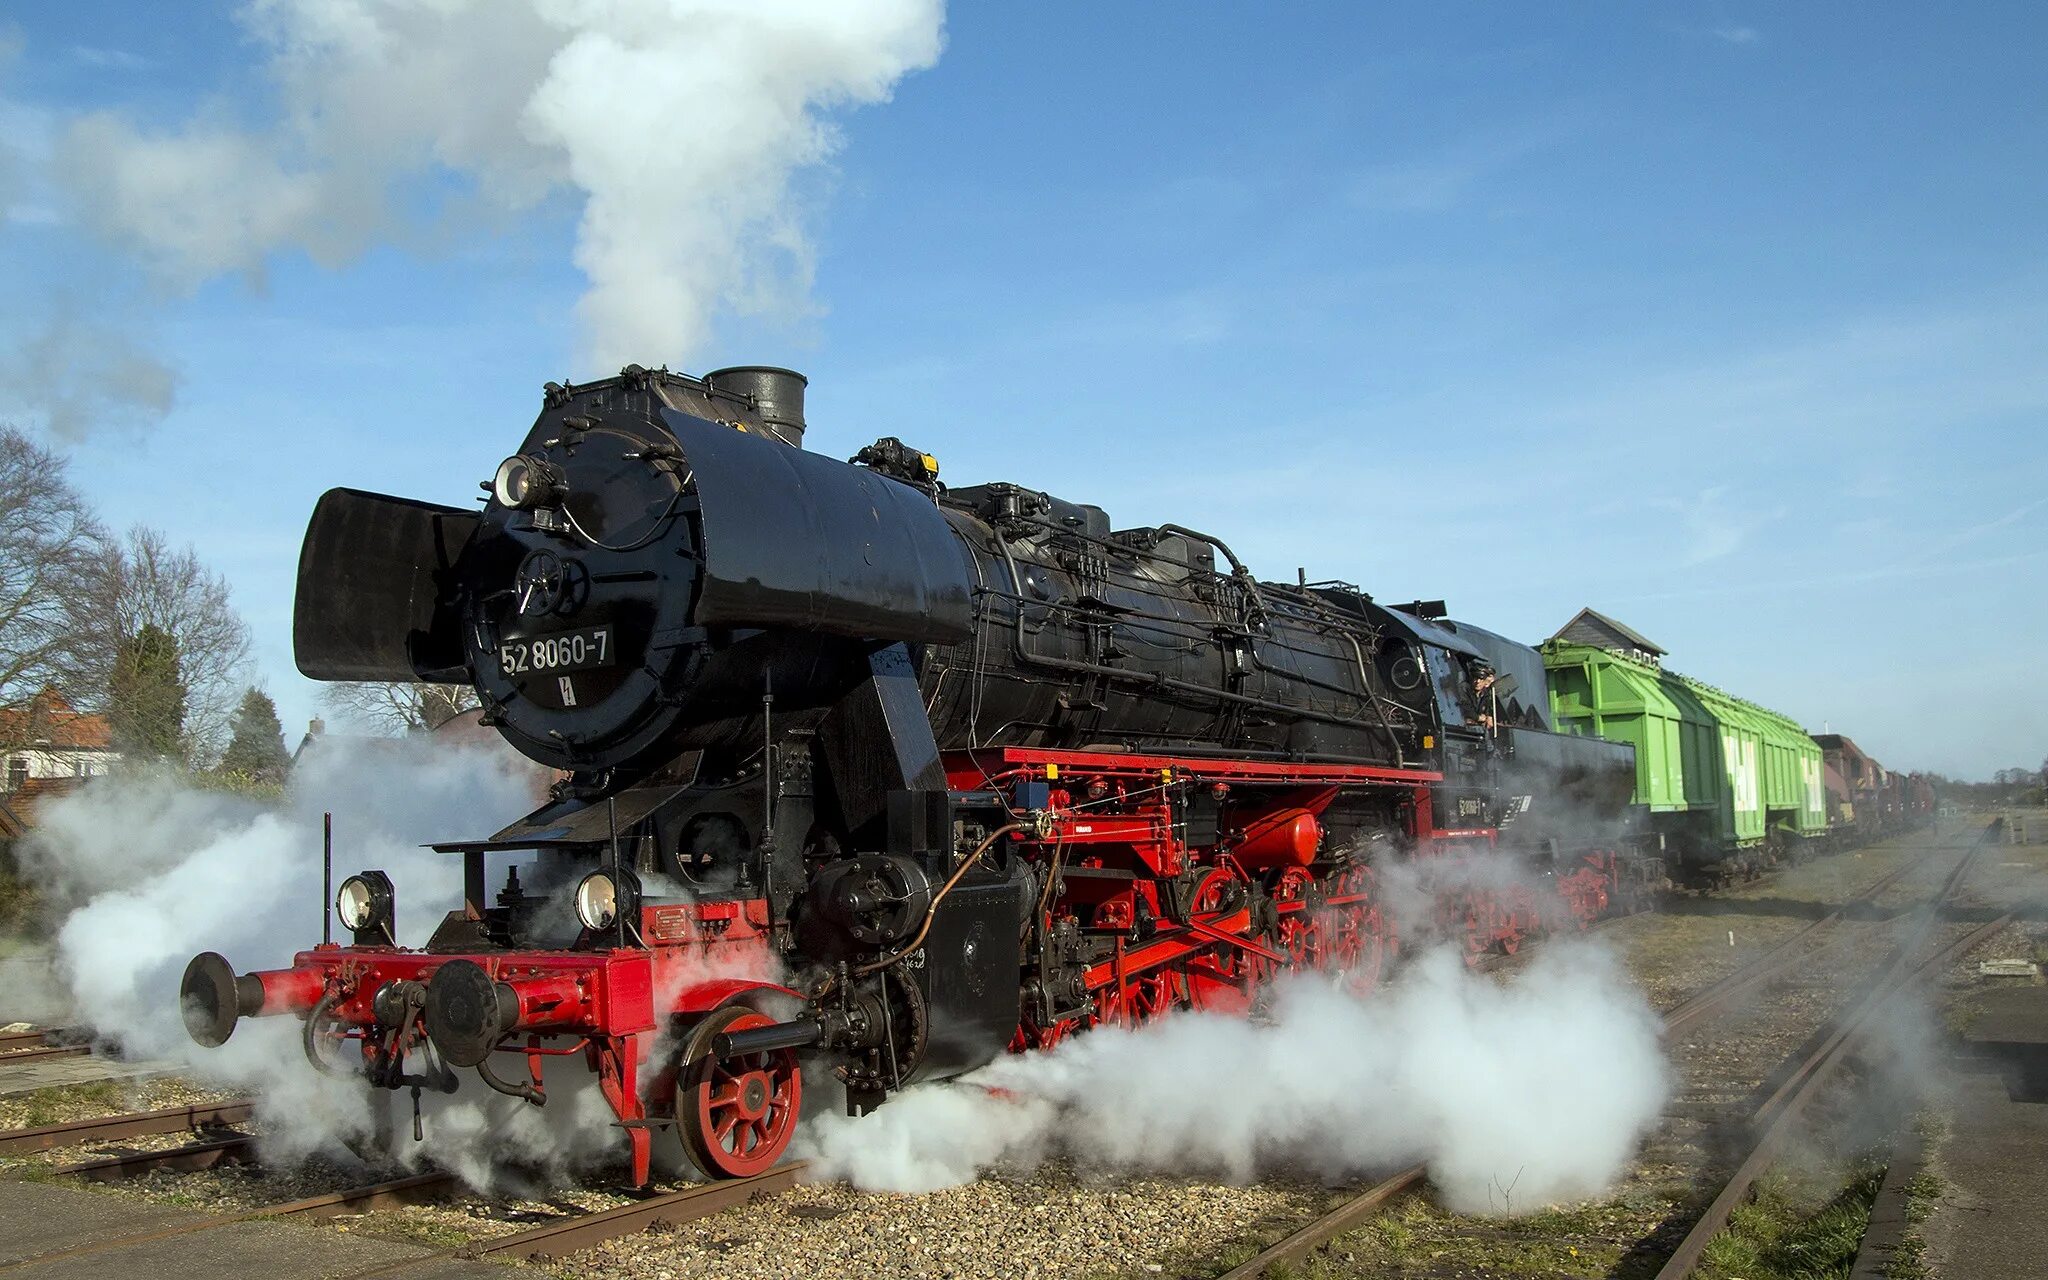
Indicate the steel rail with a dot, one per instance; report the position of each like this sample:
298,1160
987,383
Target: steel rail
44,1051
1336,1222
558,1239
1713,998
389,1194
129,1124
28,1039
1773,1118
136,1164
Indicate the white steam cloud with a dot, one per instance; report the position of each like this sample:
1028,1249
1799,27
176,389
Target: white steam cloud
681,124
148,871
76,375
1516,1094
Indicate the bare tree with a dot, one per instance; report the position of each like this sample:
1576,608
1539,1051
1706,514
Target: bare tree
399,708
144,582
49,547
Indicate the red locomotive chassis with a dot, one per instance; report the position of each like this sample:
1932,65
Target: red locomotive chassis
1268,897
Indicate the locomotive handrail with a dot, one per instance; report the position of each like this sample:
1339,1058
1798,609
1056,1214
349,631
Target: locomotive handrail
1237,569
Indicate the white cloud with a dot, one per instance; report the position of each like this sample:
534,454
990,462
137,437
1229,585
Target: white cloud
680,124
1737,35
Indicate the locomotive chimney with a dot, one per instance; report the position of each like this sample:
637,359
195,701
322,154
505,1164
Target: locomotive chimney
778,396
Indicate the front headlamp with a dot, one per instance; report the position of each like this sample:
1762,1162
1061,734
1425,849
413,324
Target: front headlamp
525,481
597,900
602,897
365,905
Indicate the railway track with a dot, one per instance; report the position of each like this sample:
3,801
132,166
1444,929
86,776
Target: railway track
548,1241
17,1047
551,1240
1772,1119
129,1124
225,1147
1772,1123
12,1041
238,1148
559,1239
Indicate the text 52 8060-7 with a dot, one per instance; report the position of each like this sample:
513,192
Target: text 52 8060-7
561,651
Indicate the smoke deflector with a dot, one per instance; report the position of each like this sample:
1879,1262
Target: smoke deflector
369,604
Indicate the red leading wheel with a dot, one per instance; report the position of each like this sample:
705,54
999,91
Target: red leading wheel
737,1114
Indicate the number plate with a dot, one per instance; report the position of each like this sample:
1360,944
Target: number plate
559,651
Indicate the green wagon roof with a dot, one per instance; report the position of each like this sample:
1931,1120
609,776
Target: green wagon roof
1653,686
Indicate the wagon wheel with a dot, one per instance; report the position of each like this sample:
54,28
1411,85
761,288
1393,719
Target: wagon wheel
736,1114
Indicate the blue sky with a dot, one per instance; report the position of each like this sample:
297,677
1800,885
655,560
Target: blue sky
1727,320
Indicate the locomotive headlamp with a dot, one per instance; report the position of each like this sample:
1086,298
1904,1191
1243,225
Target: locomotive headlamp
603,896
365,905
525,481
597,900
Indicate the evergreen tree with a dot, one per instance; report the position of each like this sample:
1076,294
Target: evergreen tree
257,748
146,696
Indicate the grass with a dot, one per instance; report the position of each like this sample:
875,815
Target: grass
17,898
60,1103
1795,1231
409,1229
1909,1259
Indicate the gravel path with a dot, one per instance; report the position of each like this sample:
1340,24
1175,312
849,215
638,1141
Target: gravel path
1051,1223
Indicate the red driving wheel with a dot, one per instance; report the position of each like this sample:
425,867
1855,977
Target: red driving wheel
737,1114
1301,933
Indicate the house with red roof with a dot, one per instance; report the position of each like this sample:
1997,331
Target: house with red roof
47,746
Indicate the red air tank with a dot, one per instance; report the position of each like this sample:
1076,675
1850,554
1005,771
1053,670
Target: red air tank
1279,838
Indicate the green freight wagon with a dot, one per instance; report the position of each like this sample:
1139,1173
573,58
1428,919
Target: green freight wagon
1729,786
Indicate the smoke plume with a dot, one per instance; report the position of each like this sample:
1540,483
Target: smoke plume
679,124
75,375
1517,1094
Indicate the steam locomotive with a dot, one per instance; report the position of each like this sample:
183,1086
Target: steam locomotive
882,778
